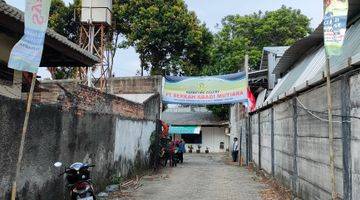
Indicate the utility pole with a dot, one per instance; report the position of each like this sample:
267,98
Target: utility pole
246,68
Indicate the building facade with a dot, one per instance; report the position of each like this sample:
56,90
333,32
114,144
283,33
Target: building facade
211,134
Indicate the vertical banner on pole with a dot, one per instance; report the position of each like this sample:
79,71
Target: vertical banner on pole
26,54
335,21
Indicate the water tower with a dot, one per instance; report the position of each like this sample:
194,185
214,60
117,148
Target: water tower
95,35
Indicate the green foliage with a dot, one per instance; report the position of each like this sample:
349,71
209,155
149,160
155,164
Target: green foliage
222,111
248,34
61,19
64,73
168,38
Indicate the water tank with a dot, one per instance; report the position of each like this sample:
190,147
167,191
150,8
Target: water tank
96,11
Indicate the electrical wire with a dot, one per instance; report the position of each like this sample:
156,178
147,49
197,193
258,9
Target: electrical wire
318,117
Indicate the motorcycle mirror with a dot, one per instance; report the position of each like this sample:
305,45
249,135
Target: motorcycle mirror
58,164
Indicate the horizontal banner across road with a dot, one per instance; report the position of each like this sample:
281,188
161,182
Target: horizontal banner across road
206,90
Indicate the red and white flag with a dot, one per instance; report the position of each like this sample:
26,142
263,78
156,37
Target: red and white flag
251,100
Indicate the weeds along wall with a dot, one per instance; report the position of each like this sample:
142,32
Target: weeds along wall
118,146
289,140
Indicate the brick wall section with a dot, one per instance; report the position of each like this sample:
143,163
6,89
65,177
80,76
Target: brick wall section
73,96
90,99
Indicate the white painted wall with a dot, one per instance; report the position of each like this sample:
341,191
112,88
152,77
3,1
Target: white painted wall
14,90
131,137
234,123
212,136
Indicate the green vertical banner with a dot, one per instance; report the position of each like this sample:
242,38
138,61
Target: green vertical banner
335,22
26,54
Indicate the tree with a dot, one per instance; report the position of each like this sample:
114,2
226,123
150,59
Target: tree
61,20
248,34
168,38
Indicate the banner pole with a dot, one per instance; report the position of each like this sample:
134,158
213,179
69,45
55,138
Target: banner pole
330,129
246,66
23,136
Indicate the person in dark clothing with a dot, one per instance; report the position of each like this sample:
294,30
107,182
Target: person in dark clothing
182,150
235,149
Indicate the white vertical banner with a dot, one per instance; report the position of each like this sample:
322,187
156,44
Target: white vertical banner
26,54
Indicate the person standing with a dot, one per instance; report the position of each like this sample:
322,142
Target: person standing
235,149
182,150
172,153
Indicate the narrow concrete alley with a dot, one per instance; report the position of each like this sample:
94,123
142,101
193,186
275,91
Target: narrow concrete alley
201,177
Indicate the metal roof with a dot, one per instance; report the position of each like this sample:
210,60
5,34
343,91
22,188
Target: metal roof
187,117
305,70
297,51
17,15
258,73
278,51
310,68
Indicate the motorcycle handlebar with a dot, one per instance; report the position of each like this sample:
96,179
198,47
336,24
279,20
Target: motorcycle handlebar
66,170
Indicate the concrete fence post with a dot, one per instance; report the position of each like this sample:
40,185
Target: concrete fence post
272,143
248,141
346,137
247,127
295,150
259,142
240,147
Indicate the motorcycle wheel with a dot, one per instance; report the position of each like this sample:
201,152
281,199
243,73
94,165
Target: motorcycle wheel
75,196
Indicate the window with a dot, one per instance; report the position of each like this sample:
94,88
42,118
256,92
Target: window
6,74
192,138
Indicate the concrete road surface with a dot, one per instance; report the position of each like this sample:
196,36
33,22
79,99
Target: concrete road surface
201,177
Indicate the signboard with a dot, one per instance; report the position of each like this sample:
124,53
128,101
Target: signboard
180,130
26,54
335,21
207,90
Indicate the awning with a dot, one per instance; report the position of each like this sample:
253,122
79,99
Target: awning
181,130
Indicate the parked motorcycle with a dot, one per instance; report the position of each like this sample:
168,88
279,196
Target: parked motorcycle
78,181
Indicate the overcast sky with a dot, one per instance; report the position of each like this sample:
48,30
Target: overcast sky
211,12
